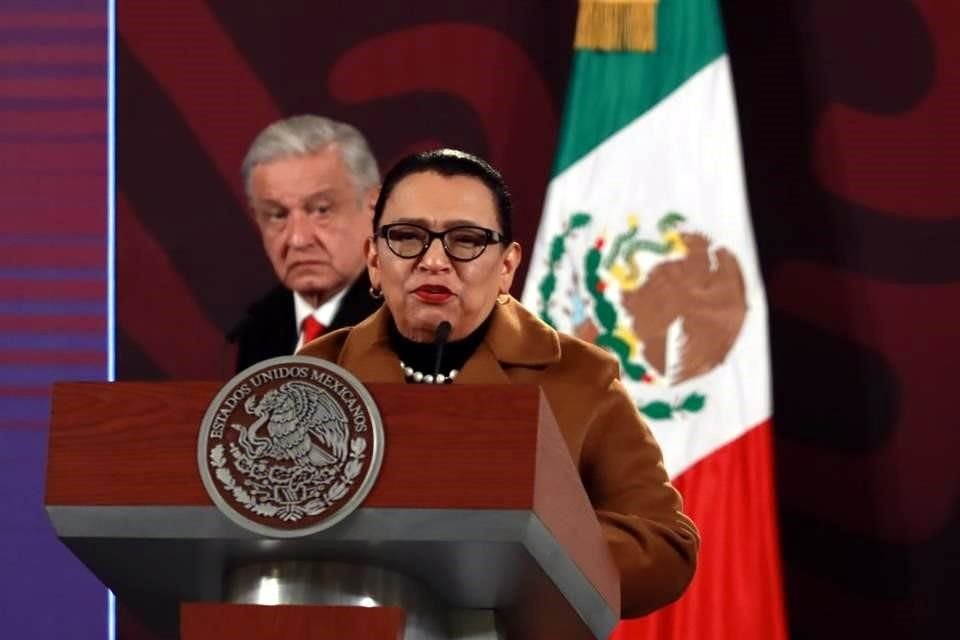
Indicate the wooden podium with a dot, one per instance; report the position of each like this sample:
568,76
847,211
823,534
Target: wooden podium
477,500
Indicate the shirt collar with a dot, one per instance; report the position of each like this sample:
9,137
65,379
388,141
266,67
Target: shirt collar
323,314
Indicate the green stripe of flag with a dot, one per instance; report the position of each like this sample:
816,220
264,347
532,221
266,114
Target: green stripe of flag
610,90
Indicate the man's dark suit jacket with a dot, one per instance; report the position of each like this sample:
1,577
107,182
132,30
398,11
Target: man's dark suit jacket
269,329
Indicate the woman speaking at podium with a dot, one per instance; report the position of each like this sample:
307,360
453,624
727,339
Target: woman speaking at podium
443,258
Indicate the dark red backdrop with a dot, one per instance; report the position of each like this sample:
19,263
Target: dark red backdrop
851,125
850,121
196,84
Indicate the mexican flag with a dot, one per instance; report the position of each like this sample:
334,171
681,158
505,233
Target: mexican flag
645,248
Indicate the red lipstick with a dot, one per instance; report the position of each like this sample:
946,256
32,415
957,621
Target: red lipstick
432,294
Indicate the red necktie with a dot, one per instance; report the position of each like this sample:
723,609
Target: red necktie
311,329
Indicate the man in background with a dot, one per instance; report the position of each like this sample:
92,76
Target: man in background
311,183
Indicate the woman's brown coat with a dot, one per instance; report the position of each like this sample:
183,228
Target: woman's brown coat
653,543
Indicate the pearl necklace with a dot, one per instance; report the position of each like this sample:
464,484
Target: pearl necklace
428,378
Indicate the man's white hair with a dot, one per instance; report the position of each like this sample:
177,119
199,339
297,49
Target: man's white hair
306,134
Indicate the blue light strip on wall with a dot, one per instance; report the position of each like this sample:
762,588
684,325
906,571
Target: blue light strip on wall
111,238
111,189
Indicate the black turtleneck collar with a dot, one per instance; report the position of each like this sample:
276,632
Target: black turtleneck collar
422,355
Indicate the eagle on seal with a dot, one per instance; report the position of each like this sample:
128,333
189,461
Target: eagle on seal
303,424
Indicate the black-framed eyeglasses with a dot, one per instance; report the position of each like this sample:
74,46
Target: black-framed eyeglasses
463,243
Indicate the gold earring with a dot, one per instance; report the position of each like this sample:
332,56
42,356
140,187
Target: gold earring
503,298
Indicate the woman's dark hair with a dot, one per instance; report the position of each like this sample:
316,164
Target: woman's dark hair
450,162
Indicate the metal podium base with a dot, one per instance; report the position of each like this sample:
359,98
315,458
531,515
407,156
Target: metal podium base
331,583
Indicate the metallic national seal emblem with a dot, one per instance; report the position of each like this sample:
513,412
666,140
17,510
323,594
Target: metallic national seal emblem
290,446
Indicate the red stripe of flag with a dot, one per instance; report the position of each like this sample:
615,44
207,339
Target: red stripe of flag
735,592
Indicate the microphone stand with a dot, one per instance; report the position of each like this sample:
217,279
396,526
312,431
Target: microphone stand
439,339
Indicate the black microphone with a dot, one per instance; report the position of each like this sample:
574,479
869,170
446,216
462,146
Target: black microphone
443,332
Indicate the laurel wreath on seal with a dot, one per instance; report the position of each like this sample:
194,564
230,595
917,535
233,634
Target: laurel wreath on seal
289,512
623,246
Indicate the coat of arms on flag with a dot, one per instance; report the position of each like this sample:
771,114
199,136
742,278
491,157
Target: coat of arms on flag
668,305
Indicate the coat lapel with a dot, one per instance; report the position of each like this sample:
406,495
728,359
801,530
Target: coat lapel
482,368
516,338
367,353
